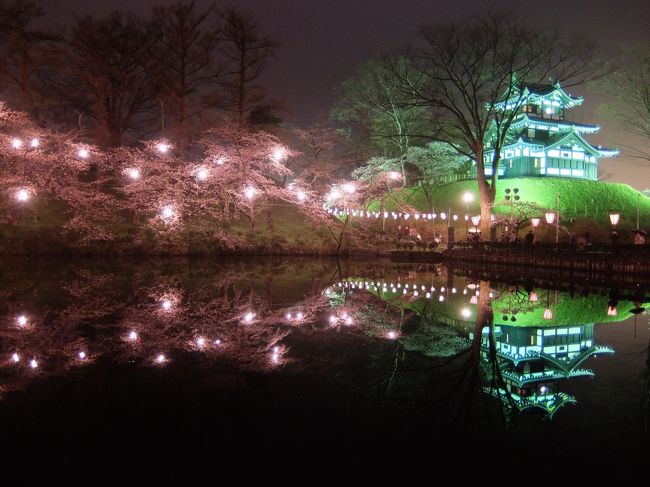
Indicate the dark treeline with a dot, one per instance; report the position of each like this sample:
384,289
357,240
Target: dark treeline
122,77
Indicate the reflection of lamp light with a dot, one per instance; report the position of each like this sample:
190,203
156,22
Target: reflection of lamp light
548,315
550,217
535,221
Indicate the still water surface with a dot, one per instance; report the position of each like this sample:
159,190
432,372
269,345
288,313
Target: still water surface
177,362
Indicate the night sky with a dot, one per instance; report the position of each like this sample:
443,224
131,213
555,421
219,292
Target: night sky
323,40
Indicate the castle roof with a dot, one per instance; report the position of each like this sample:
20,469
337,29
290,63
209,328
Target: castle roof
523,93
530,121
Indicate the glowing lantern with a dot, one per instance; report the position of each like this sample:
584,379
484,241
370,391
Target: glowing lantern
299,315
550,217
34,143
349,188
535,221
16,143
249,192
15,357
248,317
476,220
200,342
443,216
82,355
167,212
162,147
21,320
33,363
287,316
455,217
161,359
133,336
614,218
533,297
279,154
83,153
395,175
391,335
301,195
611,311
466,313
166,304
219,160
202,174
473,299
548,315
133,173
22,195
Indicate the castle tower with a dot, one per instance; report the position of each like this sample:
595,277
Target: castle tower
541,141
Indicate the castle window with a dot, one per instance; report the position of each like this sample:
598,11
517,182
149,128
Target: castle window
535,162
566,155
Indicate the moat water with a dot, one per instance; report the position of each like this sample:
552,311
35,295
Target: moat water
191,363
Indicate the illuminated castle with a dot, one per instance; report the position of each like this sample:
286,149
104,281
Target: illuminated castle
541,141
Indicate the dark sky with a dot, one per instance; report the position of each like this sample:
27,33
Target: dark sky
323,40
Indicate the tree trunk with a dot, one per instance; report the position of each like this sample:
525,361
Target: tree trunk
486,192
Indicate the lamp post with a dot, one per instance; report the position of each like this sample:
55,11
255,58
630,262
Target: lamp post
468,197
552,216
512,199
638,202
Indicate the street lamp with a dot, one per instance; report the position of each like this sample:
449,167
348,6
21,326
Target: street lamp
614,218
550,217
535,221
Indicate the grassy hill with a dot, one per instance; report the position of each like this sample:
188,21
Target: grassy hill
584,205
